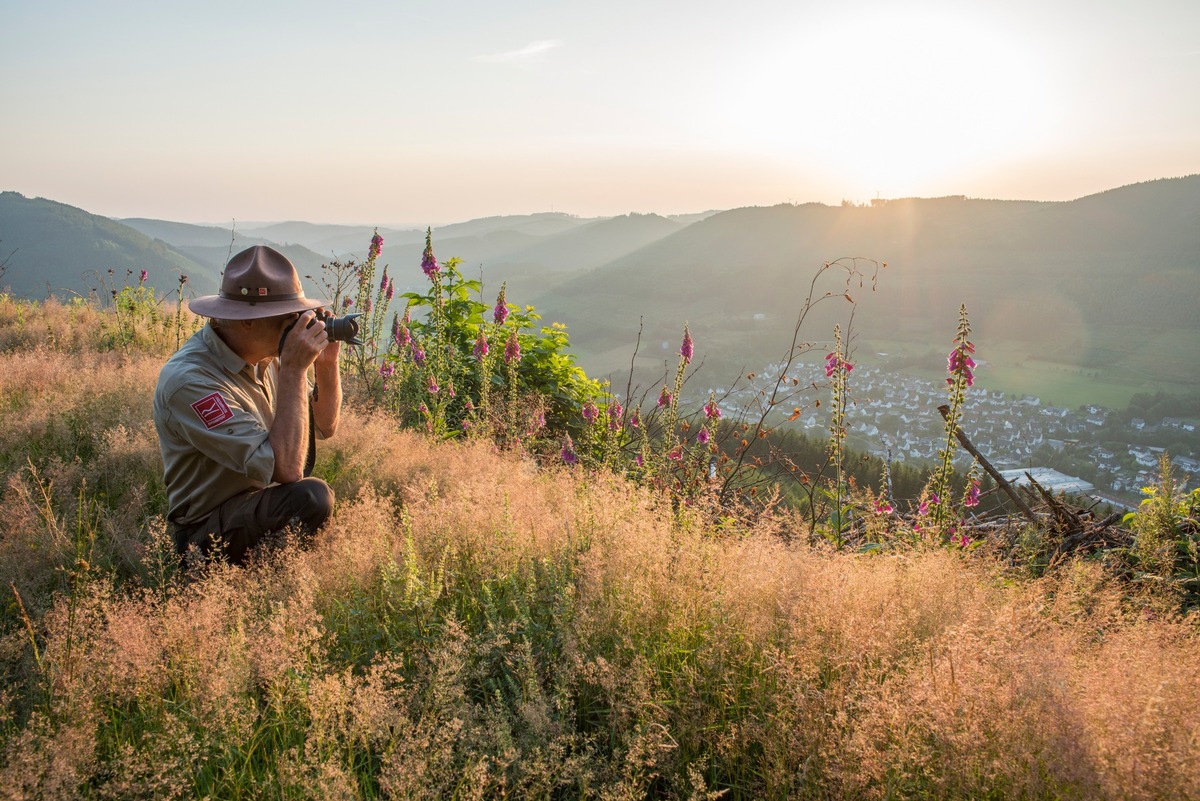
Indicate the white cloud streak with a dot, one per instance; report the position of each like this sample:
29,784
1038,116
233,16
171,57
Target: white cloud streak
530,53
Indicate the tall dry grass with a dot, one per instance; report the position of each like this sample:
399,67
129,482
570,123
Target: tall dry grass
471,625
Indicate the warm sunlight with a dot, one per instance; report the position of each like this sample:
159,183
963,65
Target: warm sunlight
909,101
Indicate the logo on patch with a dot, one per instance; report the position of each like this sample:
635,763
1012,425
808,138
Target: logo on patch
212,410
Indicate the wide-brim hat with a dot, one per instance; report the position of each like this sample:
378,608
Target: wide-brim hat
258,282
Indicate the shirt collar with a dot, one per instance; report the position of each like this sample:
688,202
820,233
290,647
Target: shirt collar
225,355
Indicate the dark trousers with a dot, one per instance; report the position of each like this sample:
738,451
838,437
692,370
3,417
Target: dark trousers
245,520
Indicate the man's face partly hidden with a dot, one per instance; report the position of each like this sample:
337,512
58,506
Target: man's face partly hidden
268,331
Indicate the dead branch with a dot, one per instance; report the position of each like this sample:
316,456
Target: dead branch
944,410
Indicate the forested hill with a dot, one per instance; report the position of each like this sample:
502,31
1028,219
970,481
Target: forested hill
48,247
53,248
1029,272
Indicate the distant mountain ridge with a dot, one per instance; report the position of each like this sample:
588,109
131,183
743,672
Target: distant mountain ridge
1091,269
1107,279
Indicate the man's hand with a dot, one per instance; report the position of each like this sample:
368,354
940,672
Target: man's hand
305,342
329,356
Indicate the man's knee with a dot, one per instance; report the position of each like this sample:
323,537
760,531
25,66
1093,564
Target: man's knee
314,501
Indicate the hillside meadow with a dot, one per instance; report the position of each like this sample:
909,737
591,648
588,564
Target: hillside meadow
475,623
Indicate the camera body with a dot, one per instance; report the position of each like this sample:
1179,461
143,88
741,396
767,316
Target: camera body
338,329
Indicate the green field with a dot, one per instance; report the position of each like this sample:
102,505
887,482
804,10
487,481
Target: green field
1108,370
1081,367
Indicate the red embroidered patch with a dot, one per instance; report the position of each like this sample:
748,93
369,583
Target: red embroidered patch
212,410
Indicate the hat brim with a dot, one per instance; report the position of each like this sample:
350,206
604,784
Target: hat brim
220,308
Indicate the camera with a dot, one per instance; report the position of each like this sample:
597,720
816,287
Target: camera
338,329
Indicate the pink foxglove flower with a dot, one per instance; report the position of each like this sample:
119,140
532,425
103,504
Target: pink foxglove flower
500,313
687,348
712,411
432,386
481,347
590,412
568,454
972,498
615,413
961,364
376,245
702,437
512,349
664,397
429,264
834,362
142,278
418,354
400,330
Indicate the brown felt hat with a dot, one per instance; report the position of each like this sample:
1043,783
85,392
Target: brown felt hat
258,282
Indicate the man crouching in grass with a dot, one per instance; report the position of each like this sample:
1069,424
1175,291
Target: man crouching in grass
233,410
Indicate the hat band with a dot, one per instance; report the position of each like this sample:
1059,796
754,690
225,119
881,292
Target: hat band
260,298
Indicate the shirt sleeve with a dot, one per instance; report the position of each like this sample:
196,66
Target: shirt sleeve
213,421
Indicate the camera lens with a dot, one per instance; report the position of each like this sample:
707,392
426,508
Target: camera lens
343,329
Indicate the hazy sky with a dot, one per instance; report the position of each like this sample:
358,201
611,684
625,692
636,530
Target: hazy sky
421,112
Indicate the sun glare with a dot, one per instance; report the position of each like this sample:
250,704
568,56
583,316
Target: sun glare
895,102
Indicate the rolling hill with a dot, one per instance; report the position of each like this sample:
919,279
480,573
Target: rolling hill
1105,281
53,248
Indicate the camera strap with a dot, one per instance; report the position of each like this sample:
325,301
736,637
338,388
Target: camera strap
310,458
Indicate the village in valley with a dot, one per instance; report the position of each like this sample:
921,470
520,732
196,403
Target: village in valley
1084,451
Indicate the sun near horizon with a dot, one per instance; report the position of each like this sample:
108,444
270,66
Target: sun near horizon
388,115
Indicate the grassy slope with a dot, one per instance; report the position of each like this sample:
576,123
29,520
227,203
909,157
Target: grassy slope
470,625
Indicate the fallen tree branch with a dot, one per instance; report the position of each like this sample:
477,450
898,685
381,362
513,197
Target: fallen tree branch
944,410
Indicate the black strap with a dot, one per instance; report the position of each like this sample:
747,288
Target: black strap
311,458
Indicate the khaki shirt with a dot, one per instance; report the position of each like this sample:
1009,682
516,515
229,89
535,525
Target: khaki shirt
213,412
